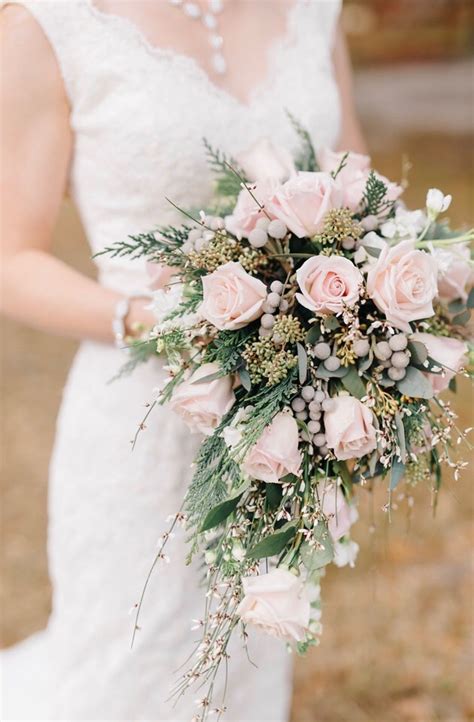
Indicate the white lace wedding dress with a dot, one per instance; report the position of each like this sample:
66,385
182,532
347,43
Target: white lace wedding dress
139,115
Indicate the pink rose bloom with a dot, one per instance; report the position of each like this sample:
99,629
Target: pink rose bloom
450,353
455,276
202,405
276,453
403,283
160,275
328,284
303,201
277,603
353,177
232,297
334,506
349,428
247,212
265,160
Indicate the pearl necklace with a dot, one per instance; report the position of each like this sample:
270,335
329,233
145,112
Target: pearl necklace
210,21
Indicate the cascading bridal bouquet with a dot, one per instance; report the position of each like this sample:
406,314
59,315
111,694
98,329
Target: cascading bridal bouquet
309,322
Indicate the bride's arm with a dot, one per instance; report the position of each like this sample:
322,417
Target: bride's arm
36,145
351,137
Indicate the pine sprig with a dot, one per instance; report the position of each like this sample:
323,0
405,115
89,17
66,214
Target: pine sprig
306,160
226,349
226,170
164,240
375,196
138,352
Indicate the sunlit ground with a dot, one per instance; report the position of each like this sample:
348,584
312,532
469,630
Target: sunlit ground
397,640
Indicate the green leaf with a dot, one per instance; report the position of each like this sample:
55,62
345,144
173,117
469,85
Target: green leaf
401,437
245,379
462,318
341,468
323,373
209,377
456,306
316,558
273,544
331,323
419,352
220,512
396,474
313,334
453,385
373,251
354,384
470,298
415,384
302,363
273,494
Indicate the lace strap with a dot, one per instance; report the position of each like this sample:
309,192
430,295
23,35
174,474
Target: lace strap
61,21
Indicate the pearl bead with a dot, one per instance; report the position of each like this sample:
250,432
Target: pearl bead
209,21
192,10
219,63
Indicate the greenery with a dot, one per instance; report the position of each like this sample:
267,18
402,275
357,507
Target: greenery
306,159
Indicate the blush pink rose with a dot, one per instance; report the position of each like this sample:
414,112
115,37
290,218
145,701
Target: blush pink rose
349,428
277,603
450,353
304,200
202,405
232,298
403,283
455,272
276,453
247,211
334,506
160,275
328,284
264,160
353,177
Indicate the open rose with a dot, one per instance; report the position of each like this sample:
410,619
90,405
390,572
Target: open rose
264,160
403,283
303,201
277,603
276,453
202,405
354,176
455,272
448,352
328,284
334,506
232,298
160,275
247,211
350,432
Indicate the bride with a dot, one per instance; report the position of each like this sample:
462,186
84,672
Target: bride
109,100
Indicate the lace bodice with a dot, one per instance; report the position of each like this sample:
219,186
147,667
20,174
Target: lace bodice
139,114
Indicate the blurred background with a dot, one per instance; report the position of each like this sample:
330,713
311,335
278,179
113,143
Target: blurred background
397,643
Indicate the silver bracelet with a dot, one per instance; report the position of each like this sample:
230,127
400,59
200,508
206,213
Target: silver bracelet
122,309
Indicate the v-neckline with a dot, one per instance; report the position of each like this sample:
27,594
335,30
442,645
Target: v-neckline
281,45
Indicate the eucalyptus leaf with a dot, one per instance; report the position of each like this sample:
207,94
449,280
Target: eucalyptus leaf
470,298
401,436
316,558
331,323
373,251
302,363
456,306
323,373
273,544
415,384
313,334
366,362
396,474
433,366
462,318
221,511
453,385
419,352
244,377
353,383
273,494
